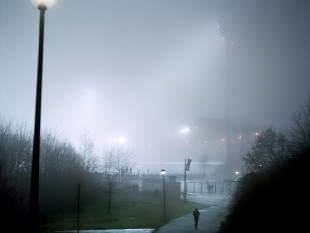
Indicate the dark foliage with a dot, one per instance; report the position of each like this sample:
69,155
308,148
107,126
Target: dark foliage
61,169
269,148
300,133
12,212
273,200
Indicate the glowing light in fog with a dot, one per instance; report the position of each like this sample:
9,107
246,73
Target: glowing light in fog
185,130
119,140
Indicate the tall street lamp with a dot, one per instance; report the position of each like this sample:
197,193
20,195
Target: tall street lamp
163,172
229,46
34,186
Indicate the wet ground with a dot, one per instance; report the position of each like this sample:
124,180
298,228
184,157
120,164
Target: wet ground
209,220
114,231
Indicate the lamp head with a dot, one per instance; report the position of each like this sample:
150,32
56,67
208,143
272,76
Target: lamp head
163,171
44,4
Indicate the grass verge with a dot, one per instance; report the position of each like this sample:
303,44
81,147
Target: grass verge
127,212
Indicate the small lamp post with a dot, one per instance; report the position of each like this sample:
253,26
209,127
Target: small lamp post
42,5
236,175
163,172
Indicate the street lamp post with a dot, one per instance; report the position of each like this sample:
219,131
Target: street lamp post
34,186
163,172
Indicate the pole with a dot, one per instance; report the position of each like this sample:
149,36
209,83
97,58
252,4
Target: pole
184,195
227,139
164,197
34,186
78,208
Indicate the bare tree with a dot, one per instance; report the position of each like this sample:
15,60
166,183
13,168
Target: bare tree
110,183
115,159
300,133
122,158
87,152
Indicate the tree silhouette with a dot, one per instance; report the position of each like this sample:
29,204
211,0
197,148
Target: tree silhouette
268,148
300,133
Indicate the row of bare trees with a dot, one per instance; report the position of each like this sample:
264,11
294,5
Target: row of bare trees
62,168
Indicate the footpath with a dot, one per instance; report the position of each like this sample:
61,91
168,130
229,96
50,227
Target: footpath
209,220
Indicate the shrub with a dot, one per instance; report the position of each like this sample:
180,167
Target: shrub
272,200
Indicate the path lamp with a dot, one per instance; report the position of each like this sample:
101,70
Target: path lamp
237,175
163,172
42,5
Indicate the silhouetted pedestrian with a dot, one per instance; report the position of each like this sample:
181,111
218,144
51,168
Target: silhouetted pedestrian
196,217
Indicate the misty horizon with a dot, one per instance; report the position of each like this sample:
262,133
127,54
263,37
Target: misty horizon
142,71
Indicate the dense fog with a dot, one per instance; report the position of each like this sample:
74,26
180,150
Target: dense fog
168,79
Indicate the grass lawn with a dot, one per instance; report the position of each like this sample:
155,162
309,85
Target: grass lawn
127,211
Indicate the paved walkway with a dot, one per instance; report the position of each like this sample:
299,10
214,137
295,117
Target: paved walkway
209,220
113,231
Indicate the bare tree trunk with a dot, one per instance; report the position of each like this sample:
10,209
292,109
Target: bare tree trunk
109,200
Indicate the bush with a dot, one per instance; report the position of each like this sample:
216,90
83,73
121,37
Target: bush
273,200
12,211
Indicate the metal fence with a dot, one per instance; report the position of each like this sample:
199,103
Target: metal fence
210,187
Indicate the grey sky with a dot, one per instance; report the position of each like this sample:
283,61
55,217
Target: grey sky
143,69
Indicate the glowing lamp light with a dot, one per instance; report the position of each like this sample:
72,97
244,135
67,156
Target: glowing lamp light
185,130
44,3
119,140
163,171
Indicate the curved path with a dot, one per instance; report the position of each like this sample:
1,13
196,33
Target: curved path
209,220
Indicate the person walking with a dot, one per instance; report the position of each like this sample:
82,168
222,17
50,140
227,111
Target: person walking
196,217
